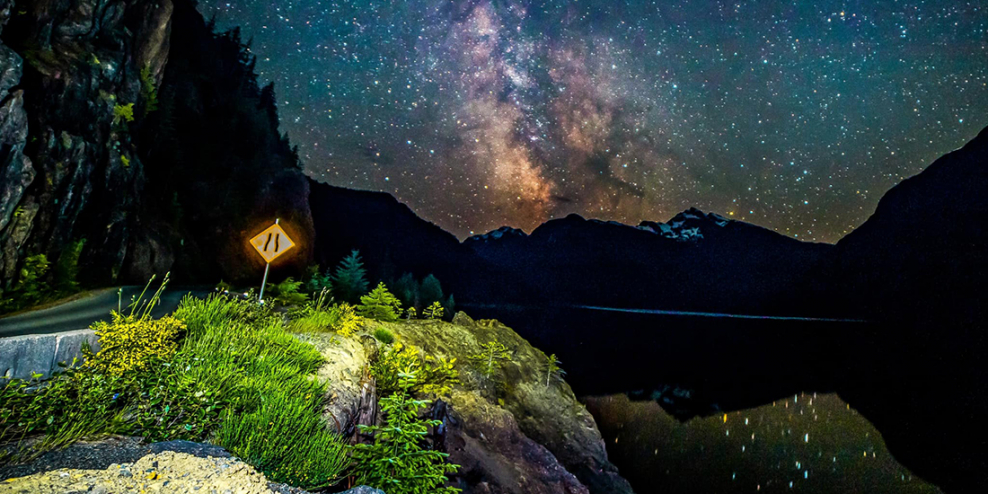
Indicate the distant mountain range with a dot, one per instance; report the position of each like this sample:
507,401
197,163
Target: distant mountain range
696,261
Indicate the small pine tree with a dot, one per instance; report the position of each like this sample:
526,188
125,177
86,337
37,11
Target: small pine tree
492,353
350,278
410,313
397,462
553,369
380,304
434,311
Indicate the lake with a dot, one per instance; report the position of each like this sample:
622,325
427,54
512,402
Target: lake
748,403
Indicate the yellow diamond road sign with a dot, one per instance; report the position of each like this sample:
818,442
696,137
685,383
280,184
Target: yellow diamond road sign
272,243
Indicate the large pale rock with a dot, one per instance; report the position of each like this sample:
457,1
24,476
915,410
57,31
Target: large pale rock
350,386
510,434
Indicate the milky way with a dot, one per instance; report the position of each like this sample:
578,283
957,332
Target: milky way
796,116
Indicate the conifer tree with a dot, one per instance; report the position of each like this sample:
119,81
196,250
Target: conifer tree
431,290
434,311
349,281
407,290
553,369
397,462
492,353
380,304
317,281
449,306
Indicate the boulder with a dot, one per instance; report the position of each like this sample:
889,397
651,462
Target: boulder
510,433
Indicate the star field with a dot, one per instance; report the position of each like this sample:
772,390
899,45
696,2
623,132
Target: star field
796,116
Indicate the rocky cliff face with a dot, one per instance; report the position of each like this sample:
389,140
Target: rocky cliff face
114,129
522,436
70,170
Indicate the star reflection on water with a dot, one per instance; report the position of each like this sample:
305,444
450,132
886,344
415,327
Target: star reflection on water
808,443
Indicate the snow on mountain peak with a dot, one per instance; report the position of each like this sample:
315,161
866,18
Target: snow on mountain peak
686,226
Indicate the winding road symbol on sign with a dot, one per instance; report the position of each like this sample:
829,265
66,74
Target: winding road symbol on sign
272,243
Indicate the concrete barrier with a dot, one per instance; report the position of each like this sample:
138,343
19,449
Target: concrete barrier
20,356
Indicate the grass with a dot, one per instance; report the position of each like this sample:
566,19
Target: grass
315,321
238,378
273,420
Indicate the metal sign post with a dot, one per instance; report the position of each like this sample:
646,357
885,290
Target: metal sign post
271,244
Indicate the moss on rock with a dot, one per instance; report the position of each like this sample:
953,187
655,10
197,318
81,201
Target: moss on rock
509,432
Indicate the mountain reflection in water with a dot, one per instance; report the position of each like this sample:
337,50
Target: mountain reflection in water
808,443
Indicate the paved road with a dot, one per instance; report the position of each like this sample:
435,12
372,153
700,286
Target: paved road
81,313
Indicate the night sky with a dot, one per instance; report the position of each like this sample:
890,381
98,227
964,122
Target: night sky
795,115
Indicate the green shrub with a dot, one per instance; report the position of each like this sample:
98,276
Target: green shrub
123,113
384,336
129,343
399,462
287,292
67,268
316,316
380,304
31,287
349,281
390,363
149,90
436,376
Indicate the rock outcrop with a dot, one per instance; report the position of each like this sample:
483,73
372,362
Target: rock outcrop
113,130
517,436
70,164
